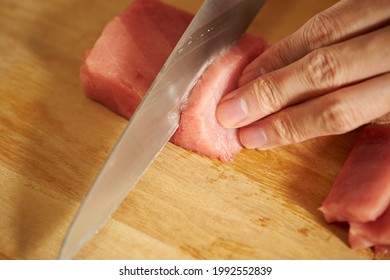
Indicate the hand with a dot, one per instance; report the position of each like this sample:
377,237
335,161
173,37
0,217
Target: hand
329,77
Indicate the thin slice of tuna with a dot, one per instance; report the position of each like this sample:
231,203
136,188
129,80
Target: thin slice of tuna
372,234
361,192
131,50
199,129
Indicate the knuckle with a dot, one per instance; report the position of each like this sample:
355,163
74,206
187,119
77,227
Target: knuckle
320,31
285,130
338,117
283,54
323,69
266,95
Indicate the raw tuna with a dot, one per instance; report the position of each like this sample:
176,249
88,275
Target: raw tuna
126,58
199,129
130,52
372,234
361,192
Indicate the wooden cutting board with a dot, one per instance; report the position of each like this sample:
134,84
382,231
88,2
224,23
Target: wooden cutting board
53,141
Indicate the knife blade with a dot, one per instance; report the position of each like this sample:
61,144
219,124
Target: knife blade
216,26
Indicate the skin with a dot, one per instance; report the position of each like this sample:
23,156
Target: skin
329,77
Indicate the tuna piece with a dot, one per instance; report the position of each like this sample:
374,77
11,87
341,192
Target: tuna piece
381,250
361,192
131,50
199,129
372,234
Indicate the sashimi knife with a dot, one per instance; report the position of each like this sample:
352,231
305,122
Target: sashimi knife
216,26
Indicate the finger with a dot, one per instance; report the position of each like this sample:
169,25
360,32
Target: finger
334,113
321,71
344,20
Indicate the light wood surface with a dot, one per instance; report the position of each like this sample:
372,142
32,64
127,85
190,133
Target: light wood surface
53,141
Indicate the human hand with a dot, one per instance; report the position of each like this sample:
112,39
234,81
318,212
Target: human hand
329,77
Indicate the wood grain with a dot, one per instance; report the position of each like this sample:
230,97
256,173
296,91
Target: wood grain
53,141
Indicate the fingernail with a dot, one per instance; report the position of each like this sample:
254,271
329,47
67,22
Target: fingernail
253,137
231,111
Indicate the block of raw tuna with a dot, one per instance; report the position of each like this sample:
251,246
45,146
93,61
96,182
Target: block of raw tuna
372,234
361,192
132,48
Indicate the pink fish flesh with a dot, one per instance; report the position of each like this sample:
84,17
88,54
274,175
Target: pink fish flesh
361,192
131,50
372,234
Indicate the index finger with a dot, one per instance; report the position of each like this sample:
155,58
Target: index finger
342,21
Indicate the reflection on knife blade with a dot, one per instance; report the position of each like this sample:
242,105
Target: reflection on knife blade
157,118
